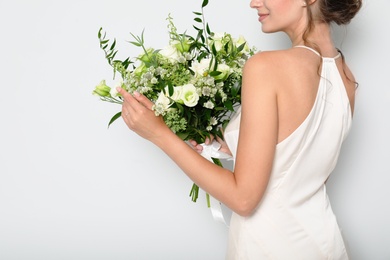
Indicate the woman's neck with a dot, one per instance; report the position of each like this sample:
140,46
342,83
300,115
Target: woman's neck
320,37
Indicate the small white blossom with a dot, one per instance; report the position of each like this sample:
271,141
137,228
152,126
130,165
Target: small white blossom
206,91
148,75
213,121
163,102
181,59
209,105
219,85
159,109
188,56
224,97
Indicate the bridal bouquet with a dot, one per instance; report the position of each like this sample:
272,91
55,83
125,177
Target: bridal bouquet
194,81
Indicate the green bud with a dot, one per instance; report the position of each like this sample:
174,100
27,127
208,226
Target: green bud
102,89
146,57
183,46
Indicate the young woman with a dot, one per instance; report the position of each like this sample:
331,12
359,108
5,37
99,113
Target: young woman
296,110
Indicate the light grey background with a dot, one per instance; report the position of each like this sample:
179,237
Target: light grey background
72,189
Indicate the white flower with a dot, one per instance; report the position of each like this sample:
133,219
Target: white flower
171,53
213,121
225,71
218,40
209,81
189,95
206,91
199,68
241,40
154,80
162,103
209,105
176,95
114,92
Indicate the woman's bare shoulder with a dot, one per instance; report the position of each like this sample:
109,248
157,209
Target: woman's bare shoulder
275,60
273,65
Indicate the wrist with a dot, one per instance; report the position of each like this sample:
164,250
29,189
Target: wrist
165,135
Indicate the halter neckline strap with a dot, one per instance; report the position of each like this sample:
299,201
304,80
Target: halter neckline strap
316,52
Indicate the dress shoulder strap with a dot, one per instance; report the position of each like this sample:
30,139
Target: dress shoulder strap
305,47
316,52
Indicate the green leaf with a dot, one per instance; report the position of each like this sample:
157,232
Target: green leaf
229,105
214,50
198,20
170,89
217,161
205,2
208,29
136,44
241,47
113,45
115,117
180,107
215,73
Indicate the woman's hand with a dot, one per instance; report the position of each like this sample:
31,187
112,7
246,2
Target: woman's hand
224,148
139,117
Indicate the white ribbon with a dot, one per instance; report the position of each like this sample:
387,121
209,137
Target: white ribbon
212,151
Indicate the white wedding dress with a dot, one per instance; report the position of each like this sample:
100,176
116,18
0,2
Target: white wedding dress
294,220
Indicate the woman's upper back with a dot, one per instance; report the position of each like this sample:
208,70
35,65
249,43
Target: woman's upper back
298,73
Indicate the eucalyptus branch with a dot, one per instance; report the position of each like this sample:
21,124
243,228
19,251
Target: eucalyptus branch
205,30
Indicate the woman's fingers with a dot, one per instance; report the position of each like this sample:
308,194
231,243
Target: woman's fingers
197,147
143,100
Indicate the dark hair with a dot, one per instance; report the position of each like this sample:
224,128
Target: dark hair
338,11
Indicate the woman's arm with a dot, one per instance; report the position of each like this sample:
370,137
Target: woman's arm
242,190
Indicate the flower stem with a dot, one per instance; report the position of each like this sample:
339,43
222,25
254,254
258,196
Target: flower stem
194,192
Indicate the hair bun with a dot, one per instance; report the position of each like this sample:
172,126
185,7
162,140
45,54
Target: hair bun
339,11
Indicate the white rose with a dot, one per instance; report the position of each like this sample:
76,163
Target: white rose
241,40
171,53
189,95
218,39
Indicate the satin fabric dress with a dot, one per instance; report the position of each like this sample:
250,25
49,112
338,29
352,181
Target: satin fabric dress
294,219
